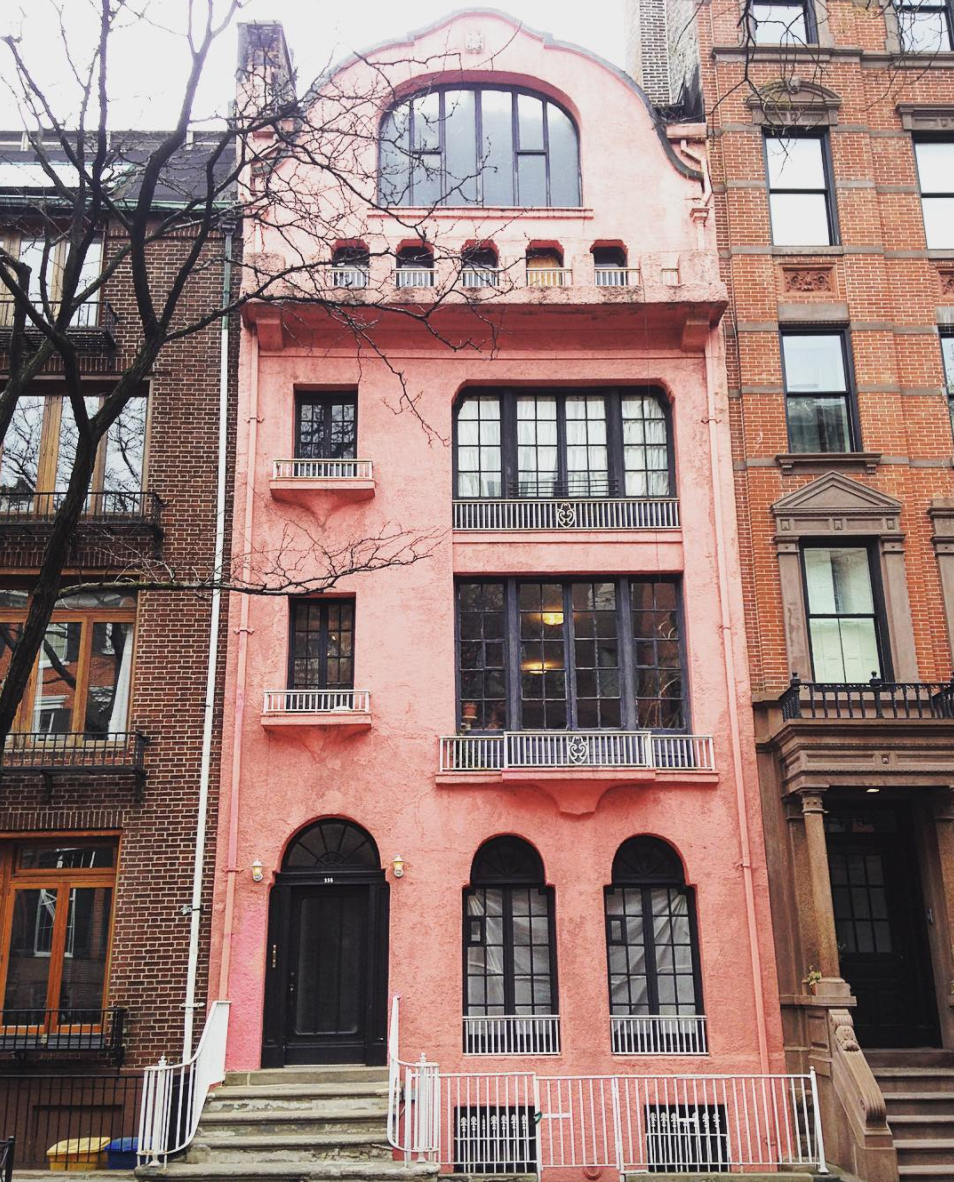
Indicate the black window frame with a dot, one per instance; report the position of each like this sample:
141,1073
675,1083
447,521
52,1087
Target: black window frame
324,604
629,698
407,197
509,465
850,393
831,208
327,399
946,335
945,194
536,881
808,13
880,613
665,878
940,6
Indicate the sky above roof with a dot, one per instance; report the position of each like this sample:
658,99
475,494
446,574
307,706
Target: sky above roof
150,60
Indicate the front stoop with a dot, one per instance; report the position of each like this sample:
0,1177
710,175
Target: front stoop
918,1088
294,1125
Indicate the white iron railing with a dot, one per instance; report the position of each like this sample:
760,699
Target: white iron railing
413,276
521,1122
512,1034
322,470
658,1034
173,1095
549,276
617,276
349,277
575,749
479,276
292,701
579,513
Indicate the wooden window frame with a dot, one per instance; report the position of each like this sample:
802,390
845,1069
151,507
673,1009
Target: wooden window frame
87,618
613,402
14,878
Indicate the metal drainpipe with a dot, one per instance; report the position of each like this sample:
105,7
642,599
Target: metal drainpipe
198,872
241,664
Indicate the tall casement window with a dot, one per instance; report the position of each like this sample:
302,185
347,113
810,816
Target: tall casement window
46,262
516,443
56,930
935,159
652,950
844,620
509,944
818,400
326,426
571,654
322,644
800,191
39,451
781,23
479,145
83,676
925,26
947,357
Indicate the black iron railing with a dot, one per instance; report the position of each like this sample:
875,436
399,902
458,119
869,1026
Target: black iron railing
74,752
113,510
94,323
7,1148
869,699
581,485
64,1031
41,1111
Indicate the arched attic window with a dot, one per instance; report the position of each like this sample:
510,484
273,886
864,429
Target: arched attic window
479,265
509,952
609,264
350,264
652,952
414,265
479,145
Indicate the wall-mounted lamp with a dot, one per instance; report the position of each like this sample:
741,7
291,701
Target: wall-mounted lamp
257,872
398,866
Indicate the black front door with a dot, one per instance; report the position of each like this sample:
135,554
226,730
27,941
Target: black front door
325,998
880,925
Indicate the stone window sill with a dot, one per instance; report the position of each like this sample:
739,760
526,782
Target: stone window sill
802,251
825,461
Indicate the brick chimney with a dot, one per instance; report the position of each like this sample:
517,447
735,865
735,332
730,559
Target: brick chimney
265,78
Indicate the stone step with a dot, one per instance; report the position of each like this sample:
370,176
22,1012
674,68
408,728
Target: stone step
261,1121
910,1057
914,1079
926,1151
333,1074
305,1095
790,1176
289,1147
271,1171
915,1103
916,1125
926,1173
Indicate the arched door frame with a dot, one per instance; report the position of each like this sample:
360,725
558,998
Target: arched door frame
328,874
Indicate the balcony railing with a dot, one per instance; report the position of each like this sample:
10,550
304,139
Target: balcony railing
322,470
570,514
511,750
413,276
512,1034
293,701
112,509
94,322
872,699
658,1034
479,276
353,277
74,753
617,276
64,1031
549,276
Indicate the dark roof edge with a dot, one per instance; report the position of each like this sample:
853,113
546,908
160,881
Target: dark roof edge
549,42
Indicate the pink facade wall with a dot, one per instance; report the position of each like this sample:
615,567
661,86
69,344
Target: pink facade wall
385,778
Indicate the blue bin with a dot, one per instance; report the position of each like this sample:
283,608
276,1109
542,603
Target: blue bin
121,1153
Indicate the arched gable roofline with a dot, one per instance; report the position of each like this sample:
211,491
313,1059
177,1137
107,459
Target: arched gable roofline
547,40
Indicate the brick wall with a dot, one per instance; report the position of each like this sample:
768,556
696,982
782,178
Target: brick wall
150,942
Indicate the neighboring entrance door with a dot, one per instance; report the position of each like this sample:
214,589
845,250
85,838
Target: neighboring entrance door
326,985
880,925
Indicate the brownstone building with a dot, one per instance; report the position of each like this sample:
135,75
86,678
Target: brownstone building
831,132
110,777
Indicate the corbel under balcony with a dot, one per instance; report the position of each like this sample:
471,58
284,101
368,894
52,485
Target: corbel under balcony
342,709
294,480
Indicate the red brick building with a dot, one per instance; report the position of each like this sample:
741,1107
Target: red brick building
831,129
103,776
